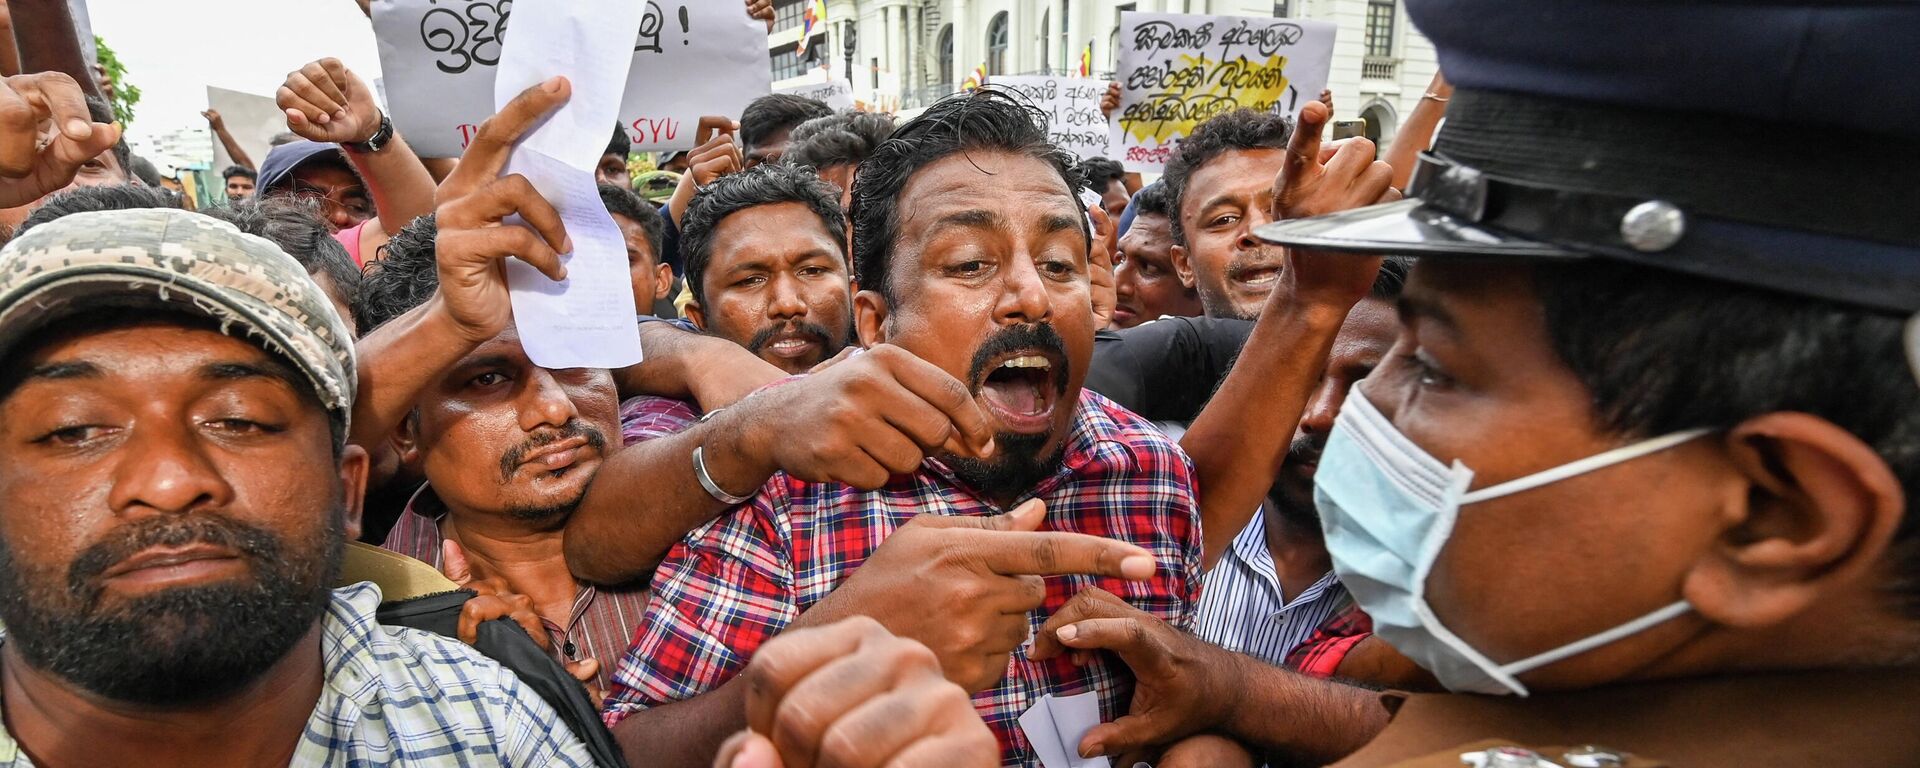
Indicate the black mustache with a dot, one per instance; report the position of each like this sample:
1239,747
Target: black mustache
572,429
1306,450
1014,338
252,542
814,330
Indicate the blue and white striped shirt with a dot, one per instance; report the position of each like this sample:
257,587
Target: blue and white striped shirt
1243,609
406,697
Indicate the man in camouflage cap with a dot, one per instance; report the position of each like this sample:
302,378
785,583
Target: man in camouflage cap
175,497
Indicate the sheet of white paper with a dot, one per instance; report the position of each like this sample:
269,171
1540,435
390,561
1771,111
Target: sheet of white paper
1037,724
438,58
593,50
691,59
1074,122
586,320
1176,70
251,118
836,93
1073,716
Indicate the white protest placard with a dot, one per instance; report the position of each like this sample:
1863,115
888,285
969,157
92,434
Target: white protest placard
836,93
1177,70
252,119
693,59
437,59
586,320
689,59
1072,104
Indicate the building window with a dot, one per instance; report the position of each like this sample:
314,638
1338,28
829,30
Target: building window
789,14
997,44
1380,27
788,63
945,74
1282,10
1045,62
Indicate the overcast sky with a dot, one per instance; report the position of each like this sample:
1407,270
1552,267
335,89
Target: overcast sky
174,49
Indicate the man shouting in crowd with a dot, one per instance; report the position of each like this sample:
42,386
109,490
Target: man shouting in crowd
929,462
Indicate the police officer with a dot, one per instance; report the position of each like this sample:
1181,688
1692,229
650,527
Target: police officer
1633,483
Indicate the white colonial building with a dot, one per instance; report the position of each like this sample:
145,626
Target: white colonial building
915,51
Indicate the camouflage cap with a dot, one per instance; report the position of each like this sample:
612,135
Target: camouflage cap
163,257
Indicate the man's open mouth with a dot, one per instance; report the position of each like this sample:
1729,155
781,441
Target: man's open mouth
1259,274
1021,388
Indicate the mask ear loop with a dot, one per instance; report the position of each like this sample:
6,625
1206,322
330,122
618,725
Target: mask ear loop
1589,464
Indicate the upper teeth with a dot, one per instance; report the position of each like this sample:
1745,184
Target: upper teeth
1027,361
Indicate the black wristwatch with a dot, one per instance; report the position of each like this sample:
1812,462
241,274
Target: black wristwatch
380,139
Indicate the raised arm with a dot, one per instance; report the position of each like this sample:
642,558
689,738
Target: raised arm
1416,134
399,359
840,425
1241,437
219,126
325,101
683,365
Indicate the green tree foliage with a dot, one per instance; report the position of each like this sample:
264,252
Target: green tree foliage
125,94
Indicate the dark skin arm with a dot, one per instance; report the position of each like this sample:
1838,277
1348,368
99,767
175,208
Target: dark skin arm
1186,685
324,101
684,733
683,365
1240,439
48,43
219,126
1416,134
9,48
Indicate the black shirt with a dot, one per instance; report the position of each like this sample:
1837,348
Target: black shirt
1166,369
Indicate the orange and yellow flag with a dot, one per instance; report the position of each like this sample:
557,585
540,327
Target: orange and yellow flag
1086,60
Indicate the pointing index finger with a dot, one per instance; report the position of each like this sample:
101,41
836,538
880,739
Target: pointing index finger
487,153
1052,553
1303,150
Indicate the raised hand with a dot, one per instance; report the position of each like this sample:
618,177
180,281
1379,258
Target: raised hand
1100,267
324,101
865,419
214,120
46,135
717,155
852,694
472,240
1183,684
1314,183
762,10
964,585
1110,100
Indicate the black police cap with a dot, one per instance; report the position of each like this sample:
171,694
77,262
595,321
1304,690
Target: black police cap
1773,144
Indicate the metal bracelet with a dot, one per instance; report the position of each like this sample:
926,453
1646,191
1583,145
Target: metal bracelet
706,481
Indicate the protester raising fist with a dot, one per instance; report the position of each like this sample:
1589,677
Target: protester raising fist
325,101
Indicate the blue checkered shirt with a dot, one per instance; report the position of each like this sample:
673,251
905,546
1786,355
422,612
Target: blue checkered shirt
397,696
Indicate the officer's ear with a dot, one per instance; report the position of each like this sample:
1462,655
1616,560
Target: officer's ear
1182,267
405,440
1820,510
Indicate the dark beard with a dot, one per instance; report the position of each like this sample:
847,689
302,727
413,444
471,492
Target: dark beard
1288,498
1017,467
517,455
181,646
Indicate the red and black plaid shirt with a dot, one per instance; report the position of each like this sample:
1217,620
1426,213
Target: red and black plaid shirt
732,584
1321,654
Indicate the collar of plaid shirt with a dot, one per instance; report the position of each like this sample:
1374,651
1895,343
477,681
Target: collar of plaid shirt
732,584
397,696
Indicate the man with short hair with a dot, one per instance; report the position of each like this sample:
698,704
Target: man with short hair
767,264
240,180
612,168
767,121
1108,179
178,492
1221,178
642,228
907,482
1146,285
833,146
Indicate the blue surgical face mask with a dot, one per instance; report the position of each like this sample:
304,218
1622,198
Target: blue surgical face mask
1387,508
